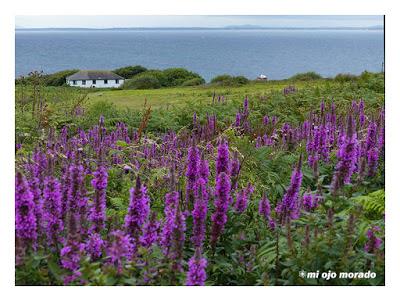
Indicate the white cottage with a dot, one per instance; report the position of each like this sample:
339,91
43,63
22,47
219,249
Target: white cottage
95,79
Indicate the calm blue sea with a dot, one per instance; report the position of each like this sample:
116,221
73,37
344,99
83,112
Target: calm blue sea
276,53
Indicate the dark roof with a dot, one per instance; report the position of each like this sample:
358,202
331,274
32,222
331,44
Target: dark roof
93,74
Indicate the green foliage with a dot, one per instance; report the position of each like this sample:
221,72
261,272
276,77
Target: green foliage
142,81
228,80
373,203
177,76
372,81
345,77
52,80
193,82
130,71
58,78
158,74
306,76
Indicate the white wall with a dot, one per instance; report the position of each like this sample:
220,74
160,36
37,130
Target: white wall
99,83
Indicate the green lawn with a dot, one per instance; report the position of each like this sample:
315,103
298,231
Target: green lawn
167,97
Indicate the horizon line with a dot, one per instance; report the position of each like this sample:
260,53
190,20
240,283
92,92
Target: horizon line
229,27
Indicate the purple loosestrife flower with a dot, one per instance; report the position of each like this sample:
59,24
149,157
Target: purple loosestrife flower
97,213
70,259
242,198
52,210
171,204
373,242
223,163
94,246
235,170
204,170
264,207
34,184
178,240
150,231
120,249
238,119
25,219
192,171
76,199
323,148
258,142
347,158
308,201
199,213
288,207
65,181
196,274
73,249
138,210
265,120
372,151
221,203
372,159
311,201
371,135
381,135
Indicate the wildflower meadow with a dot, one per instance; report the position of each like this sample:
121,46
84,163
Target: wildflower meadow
249,192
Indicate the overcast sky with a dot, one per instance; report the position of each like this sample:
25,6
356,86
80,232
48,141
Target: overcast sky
194,21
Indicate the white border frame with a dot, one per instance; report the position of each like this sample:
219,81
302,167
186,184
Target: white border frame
201,7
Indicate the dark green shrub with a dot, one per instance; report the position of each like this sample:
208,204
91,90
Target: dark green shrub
130,71
345,77
194,82
58,78
158,74
306,76
177,76
228,80
142,81
54,79
240,80
372,81
221,78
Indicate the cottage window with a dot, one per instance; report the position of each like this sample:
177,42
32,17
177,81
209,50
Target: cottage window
105,81
117,81
74,82
94,82
83,82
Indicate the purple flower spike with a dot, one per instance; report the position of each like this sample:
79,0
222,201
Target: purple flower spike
347,158
264,207
197,270
223,163
288,208
221,203
199,214
138,210
373,242
97,213
25,219
150,231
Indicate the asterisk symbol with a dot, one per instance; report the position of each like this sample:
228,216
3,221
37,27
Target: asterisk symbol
302,273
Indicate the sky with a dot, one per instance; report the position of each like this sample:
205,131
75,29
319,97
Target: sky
97,21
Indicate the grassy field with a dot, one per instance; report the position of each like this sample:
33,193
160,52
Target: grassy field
166,97
173,108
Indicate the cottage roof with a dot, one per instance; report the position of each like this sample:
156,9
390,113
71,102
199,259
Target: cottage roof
93,74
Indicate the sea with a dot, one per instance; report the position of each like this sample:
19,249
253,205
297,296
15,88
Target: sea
276,53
